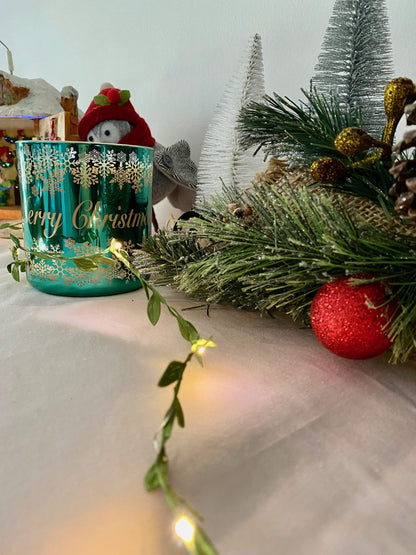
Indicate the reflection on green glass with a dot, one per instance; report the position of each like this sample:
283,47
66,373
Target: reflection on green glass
77,197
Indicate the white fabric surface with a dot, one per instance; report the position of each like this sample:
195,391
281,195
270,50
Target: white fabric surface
287,449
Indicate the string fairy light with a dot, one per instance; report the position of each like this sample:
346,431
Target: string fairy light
5,151
191,533
184,529
12,139
200,346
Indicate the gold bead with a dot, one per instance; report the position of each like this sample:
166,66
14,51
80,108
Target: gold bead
353,140
327,170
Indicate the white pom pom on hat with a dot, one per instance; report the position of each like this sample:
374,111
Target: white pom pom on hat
106,86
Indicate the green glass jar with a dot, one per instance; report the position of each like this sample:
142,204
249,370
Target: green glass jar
76,198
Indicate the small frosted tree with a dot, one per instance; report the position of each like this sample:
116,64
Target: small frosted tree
356,59
223,158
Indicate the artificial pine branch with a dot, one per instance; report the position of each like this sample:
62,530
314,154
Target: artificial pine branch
356,59
278,257
300,131
306,131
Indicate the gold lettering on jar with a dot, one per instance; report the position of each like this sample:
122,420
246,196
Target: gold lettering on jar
122,221
113,218
52,221
83,218
56,222
139,219
86,215
80,218
95,216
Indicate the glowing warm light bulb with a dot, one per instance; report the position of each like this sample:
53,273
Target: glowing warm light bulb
200,346
184,529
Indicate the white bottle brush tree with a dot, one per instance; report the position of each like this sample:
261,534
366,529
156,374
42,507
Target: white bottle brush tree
223,159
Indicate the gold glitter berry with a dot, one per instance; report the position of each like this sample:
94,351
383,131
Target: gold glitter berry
327,170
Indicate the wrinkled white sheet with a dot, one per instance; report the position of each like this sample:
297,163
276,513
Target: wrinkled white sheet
287,449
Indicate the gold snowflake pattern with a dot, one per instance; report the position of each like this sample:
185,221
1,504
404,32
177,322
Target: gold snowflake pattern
47,167
84,249
85,175
115,271
58,269
93,156
28,156
107,164
39,245
69,157
75,276
120,176
139,172
42,269
129,246
55,269
53,181
69,243
55,249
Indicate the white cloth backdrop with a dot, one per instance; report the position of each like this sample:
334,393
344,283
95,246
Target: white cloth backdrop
287,449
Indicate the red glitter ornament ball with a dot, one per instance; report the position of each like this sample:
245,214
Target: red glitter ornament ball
344,320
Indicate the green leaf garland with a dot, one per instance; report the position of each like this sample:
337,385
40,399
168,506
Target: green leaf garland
172,373
158,474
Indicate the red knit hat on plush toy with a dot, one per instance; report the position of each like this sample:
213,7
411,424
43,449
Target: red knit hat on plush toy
113,103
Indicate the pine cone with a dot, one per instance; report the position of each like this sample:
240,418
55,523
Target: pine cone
409,140
404,171
404,188
241,211
410,113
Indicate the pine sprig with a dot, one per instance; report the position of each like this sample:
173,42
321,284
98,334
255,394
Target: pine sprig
274,263
305,132
302,131
295,242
